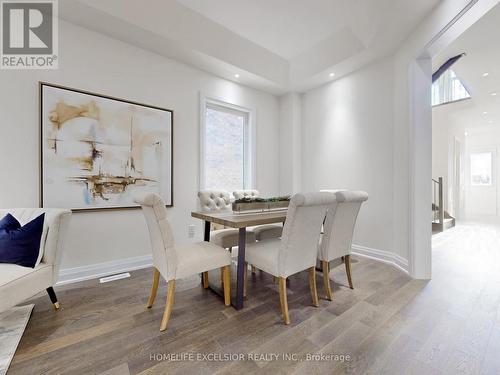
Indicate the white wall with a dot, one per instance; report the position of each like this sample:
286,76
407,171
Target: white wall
290,143
347,143
93,62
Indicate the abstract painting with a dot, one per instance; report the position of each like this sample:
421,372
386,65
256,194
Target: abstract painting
97,152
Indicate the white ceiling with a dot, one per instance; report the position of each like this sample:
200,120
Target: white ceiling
274,45
480,43
286,27
291,27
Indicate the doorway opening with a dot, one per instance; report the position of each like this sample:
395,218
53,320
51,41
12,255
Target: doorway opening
466,127
457,164
465,145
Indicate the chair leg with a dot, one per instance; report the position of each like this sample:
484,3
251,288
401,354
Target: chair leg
230,249
312,286
154,288
205,280
53,297
169,305
326,279
347,261
226,270
283,300
281,303
245,278
254,269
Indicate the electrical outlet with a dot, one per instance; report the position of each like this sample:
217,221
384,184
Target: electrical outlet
191,230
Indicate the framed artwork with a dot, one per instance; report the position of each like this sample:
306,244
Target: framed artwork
97,152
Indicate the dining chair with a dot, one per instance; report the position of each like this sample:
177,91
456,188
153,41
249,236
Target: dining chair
248,193
175,262
220,201
338,230
262,232
297,249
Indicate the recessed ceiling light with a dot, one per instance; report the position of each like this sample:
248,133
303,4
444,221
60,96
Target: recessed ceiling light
332,75
485,113
486,74
236,75
465,133
494,94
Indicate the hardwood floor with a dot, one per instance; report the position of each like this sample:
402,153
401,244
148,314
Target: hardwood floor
389,324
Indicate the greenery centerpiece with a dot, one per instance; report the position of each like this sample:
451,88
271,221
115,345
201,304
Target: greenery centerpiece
261,204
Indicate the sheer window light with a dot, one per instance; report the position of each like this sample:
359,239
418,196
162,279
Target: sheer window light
448,88
481,169
226,152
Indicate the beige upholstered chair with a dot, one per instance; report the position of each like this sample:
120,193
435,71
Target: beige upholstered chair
19,283
262,232
338,231
297,249
240,194
215,201
174,262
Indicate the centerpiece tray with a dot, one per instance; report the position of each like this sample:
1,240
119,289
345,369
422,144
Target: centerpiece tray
261,204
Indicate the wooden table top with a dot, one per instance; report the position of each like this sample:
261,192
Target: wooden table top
241,220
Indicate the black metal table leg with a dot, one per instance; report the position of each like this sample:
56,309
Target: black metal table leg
206,237
238,303
206,233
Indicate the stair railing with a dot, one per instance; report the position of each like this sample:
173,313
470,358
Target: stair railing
438,201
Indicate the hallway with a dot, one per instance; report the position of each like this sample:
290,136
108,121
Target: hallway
465,295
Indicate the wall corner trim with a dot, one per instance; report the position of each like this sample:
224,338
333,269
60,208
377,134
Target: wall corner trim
95,271
382,256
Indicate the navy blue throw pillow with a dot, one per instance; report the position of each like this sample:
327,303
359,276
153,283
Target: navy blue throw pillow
9,222
20,244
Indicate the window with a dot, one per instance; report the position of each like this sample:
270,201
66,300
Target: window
226,147
481,169
448,88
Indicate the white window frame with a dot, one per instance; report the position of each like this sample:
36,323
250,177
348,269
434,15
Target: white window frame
249,139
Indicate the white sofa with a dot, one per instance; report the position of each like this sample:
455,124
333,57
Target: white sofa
19,283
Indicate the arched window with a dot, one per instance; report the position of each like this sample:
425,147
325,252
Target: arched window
448,88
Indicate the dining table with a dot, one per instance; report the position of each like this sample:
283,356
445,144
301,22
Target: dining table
240,221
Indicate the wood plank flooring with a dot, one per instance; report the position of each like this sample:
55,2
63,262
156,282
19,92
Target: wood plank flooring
389,324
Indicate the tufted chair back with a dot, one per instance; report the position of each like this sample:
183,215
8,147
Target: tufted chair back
299,242
239,194
339,224
160,233
214,200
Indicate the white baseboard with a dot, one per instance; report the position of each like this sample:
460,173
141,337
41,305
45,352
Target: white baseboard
95,271
382,256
